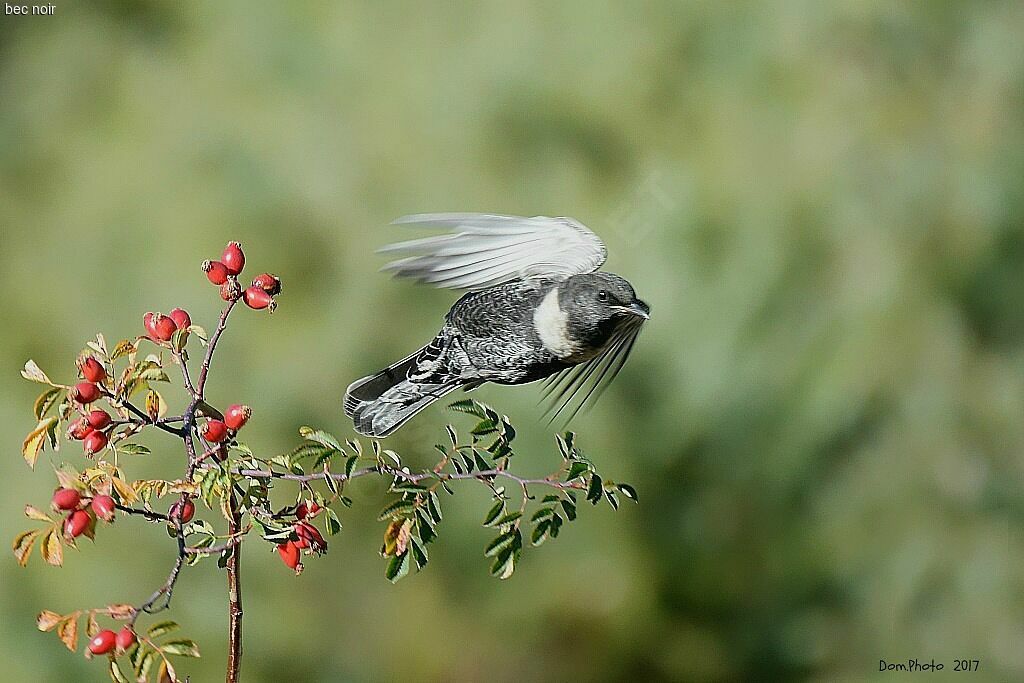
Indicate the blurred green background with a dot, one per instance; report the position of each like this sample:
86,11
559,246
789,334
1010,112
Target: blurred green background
822,202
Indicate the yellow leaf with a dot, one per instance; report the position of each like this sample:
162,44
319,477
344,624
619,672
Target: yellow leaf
33,444
51,548
32,373
126,492
67,631
124,347
22,545
92,627
36,514
156,406
120,611
47,620
167,674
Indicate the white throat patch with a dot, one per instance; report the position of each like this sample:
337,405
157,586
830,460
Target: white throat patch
550,322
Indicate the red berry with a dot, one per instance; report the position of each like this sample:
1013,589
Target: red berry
103,507
92,370
149,322
66,499
229,291
215,431
309,537
103,642
289,553
76,523
94,442
215,272
233,258
268,282
165,327
98,419
183,511
236,416
85,392
180,318
125,638
306,509
79,429
257,298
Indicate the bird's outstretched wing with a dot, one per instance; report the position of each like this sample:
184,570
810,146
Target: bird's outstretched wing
483,250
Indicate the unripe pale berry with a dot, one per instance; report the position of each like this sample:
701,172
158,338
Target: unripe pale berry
183,511
103,508
85,392
98,419
94,442
216,272
66,499
268,282
180,318
76,523
289,553
79,429
233,258
236,416
125,638
92,370
258,299
103,642
215,431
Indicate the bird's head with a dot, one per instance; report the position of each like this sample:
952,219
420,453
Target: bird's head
597,305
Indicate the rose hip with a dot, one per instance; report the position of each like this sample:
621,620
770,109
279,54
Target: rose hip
233,258
258,299
215,271
66,499
94,442
98,419
181,318
103,507
76,523
268,282
183,512
125,638
103,642
215,431
289,553
92,370
85,392
79,429
236,416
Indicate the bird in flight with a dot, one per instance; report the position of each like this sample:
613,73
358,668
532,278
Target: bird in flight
537,308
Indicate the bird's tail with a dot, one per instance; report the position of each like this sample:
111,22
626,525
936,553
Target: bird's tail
381,403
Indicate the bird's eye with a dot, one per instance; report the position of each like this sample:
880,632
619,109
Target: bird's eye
602,296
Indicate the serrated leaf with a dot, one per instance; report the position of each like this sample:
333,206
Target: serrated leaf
32,373
125,347
67,631
162,628
594,490
398,566
46,401
628,491
35,513
331,522
468,406
47,620
509,518
145,663
396,509
577,469
33,444
419,554
542,513
115,673
540,532
499,543
51,549
320,437
504,564
22,545
494,513
570,509
133,449
182,648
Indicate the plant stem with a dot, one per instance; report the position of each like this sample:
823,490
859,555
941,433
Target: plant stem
234,596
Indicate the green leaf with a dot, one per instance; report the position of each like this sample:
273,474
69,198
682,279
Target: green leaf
540,532
396,509
182,648
504,563
613,499
494,512
46,401
332,523
570,509
146,661
320,437
397,567
402,486
116,674
133,449
500,542
509,518
309,450
628,491
419,554
434,506
470,407
577,469
542,513
594,490
162,628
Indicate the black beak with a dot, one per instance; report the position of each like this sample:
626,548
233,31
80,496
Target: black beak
637,308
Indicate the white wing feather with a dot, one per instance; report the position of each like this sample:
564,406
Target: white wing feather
483,250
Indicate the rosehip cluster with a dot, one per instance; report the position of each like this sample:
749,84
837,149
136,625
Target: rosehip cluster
308,537
217,431
81,513
91,428
160,327
224,273
106,640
